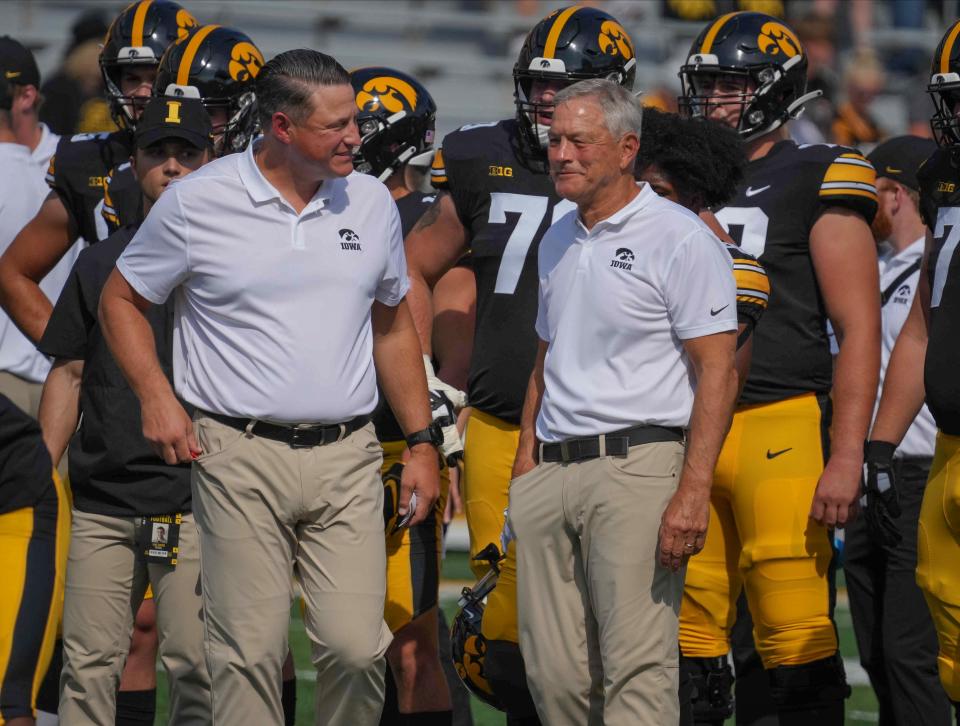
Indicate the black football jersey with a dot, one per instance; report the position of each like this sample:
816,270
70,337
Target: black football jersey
411,208
771,217
939,180
506,203
77,172
122,198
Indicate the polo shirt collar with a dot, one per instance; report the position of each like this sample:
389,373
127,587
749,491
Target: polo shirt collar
625,212
261,190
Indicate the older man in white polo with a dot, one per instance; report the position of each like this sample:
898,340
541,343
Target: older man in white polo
625,415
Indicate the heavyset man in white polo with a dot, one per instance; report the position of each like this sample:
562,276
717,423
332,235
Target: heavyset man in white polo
290,281
637,325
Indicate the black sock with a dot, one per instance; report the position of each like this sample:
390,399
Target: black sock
427,718
288,698
823,715
136,708
522,720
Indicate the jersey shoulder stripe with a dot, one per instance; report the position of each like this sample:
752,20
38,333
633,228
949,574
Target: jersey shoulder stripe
849,173
753,285
438,171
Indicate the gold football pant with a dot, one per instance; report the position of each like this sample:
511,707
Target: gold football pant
33,558
761,537
938,557
490,446
413,554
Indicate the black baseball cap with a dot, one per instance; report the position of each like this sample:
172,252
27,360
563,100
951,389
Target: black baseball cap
17,63
900,158
174,117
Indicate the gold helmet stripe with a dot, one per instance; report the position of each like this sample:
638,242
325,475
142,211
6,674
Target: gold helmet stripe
550,49
139,20
714,30
183,72
948,48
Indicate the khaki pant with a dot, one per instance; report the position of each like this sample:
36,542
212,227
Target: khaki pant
106,580
24,394
597,614
266,512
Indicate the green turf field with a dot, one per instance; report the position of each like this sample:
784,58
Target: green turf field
861,707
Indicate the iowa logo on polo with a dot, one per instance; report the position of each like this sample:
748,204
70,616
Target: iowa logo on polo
623,259
776,39
245,62
185,23
613,40
387,92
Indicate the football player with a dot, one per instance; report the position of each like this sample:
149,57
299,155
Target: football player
699,165
132,49
782,481
497,199
928,343
396,117
216,64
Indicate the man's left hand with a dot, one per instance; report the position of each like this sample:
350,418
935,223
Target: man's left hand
421,474
835,500
683,527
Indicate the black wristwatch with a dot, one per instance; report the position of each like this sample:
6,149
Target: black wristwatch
432,435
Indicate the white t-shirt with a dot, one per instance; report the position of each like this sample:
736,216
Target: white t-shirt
616,304
921,436
22,191
272,308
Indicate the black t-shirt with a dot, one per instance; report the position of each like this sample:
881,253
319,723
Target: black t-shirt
113,469
939,180
26,473
771,217
411,207
77,173
506,202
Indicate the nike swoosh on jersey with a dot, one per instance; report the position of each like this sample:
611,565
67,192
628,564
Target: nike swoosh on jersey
719,310
775,454
751,192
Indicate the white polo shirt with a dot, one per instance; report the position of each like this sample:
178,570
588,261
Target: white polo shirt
272,307
921,436
22,191
616,304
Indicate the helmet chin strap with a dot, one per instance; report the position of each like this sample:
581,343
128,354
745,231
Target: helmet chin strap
401,160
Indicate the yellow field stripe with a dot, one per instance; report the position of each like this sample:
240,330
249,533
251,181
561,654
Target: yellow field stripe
183,72
714,30
139,20
553,37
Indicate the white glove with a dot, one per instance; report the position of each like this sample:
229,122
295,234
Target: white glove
445,402
457,397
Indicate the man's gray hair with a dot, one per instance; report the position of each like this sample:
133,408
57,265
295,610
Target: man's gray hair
622,112
287,82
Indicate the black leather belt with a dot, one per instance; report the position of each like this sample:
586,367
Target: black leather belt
299,436
616,443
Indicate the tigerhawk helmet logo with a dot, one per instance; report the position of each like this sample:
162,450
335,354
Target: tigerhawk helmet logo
391,93
185,23
613,40
776,38
474,652
245,62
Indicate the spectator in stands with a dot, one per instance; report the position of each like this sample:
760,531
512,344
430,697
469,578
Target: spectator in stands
73,97
853,124
816,34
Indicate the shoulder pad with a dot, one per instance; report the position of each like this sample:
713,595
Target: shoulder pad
850,181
